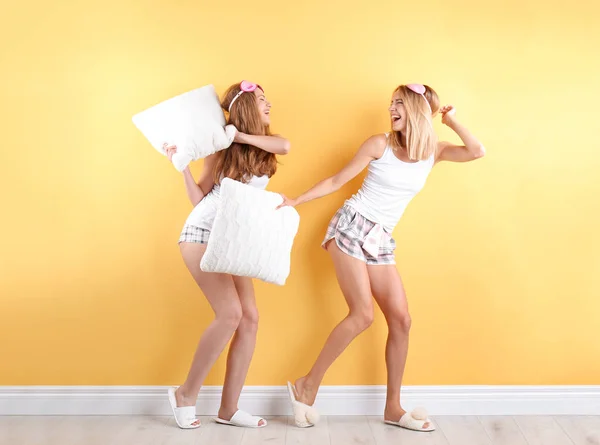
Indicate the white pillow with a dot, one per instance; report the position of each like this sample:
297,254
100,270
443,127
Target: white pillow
249,237
192,121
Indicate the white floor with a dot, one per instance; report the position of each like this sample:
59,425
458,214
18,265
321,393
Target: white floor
332,430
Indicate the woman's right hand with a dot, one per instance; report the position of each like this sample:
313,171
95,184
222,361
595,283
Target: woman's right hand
170,150
286,202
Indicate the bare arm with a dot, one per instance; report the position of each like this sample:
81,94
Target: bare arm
196,191
371,149
273,144
472,148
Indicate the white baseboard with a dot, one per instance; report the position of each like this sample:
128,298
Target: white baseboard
332,400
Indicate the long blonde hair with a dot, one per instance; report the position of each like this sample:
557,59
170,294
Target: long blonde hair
421,140
242,161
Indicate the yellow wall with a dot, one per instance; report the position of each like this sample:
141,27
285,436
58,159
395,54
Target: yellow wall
500,257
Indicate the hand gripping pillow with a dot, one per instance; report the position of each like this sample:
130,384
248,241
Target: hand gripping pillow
192,121
249,237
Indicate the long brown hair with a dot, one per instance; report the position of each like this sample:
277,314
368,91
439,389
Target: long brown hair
242,161
421,140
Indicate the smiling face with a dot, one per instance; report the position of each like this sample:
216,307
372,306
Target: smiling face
264,106
250,114
397,113
411,119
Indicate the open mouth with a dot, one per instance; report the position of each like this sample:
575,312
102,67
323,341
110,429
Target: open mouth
395,119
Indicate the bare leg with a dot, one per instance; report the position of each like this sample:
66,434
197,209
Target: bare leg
387,288
354,282
221,293
240,350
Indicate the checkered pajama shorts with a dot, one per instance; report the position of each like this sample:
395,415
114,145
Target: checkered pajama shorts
350,230
193,234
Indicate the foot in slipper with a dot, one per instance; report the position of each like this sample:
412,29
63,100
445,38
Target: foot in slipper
243,419
185,416
416,420
305,415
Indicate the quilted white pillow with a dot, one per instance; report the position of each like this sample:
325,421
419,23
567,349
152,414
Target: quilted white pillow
192,121
249,237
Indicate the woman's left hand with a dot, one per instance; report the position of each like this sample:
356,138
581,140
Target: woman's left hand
448,113
239,137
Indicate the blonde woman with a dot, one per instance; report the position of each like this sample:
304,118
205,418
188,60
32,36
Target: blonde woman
360,243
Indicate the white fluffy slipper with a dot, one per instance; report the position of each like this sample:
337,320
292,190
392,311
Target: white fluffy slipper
243,419
185,416
414,421
305,416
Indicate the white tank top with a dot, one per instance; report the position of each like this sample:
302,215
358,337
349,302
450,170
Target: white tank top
388,188
203,215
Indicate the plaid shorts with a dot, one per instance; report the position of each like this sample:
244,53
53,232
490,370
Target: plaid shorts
193,234
358,237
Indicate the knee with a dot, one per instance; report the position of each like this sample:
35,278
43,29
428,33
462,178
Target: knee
363,318
231,316
399,321
249,321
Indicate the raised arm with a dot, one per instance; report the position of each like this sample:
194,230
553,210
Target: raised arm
197,190
472,148
273,144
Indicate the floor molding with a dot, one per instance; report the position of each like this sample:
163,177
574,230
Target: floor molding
332,400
